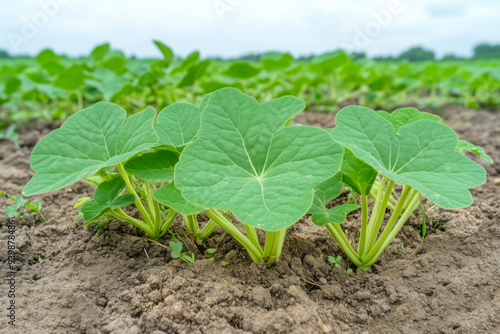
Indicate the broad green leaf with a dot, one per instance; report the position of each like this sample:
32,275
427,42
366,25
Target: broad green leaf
12,85
241,70
246,160
171,196
100,51
107,196
422,155
328,62
190,77
94,138
168,55
153,166
71,78
464,145
276,60
404,116
357,174
323,194
177,124
46,56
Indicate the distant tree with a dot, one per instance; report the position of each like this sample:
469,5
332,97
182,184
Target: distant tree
487,51
357,55
4,54
417,53
384,58
249,57
451,56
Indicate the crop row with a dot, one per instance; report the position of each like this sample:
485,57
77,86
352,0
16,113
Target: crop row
52,86
232,157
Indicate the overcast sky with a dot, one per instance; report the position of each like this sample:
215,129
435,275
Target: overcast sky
234,27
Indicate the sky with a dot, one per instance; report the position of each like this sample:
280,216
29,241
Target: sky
231,28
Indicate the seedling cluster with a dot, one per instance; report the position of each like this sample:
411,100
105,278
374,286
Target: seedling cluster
242,162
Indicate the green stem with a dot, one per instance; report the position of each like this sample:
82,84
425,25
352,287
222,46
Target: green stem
222,221
394,231
337,233
151,207
119,213
279,238
132,191
172,214
207,230
191,224
376,205
380,215
364,225
252,235
269,243
390,224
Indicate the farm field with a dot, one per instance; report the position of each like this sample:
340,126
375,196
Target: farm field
112,277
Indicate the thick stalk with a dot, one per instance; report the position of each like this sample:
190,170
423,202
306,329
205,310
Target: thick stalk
337,233
279,238
172,214
119,213
364,225
252,235
390,224
222,221
207,230
269,243
380,215
394,232
132,191
151,207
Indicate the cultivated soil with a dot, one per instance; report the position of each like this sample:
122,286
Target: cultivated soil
72,279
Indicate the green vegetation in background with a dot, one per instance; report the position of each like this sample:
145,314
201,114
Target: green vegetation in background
51,86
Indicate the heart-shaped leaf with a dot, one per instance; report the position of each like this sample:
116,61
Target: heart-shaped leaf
247,161
91,139
171,196
323,194
153,166
178,124
422,155
404,116
107,196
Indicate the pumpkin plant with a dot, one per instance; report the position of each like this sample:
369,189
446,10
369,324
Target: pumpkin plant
422,156
246,160
115,152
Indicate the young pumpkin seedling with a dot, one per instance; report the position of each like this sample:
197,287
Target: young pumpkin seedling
117,153
248,161
422,156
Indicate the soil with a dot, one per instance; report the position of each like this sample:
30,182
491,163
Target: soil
72,279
